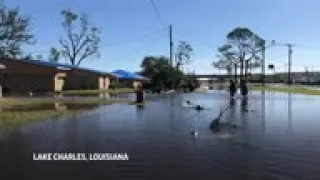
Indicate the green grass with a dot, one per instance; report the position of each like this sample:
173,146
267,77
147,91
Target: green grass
201,90
94,92
292,89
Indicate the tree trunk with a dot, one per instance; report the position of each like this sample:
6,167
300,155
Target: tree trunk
241,69
235,72
246,71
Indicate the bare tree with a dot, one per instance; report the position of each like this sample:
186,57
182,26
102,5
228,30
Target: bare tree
183,54
81,42
54,55
225,59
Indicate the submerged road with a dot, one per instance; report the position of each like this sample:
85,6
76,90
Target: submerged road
278,139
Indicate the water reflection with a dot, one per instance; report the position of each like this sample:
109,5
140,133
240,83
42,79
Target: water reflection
140,108
244,112
244,104
104,95
290,113
232,102
263,111
59,106
249,154
232,111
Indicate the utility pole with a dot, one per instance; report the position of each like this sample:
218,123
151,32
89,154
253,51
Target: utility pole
289,62
289,58
171,45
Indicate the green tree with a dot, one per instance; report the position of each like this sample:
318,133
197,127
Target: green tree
54,55
245,46
159,71
183,54
82,39
14,32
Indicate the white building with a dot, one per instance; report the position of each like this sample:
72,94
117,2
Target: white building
208,83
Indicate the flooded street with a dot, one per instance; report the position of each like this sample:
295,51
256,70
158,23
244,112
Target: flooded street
270,136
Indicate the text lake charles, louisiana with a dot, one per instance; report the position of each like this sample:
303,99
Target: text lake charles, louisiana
79,156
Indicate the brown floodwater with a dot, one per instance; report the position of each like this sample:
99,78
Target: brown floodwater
269,136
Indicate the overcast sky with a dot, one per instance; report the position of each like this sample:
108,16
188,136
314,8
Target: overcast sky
131,29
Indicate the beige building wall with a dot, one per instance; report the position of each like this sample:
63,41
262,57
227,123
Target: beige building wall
59,81
101,83
104,82
107,82
137,84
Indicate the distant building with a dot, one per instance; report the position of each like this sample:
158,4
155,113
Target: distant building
210,82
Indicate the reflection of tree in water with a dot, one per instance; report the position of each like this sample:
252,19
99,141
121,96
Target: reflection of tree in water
244,104
263,111
232,111
140,108
244,110
232,102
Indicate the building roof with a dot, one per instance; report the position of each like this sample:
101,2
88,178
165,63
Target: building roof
55,65
61,66
123,74
210,76
120,74
206,79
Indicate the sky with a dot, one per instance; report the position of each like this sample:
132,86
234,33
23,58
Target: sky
132,30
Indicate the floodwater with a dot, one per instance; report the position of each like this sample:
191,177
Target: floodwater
50,106
273,136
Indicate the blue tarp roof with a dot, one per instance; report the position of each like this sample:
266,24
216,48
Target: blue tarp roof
123,74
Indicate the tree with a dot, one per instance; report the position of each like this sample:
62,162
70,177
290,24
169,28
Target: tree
54,55
82,39
245,46
14,32
159,71
183,54
29,57
226,60
38,57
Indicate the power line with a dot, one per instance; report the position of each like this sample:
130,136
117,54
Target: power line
277,43
132,40
157,13
140,48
